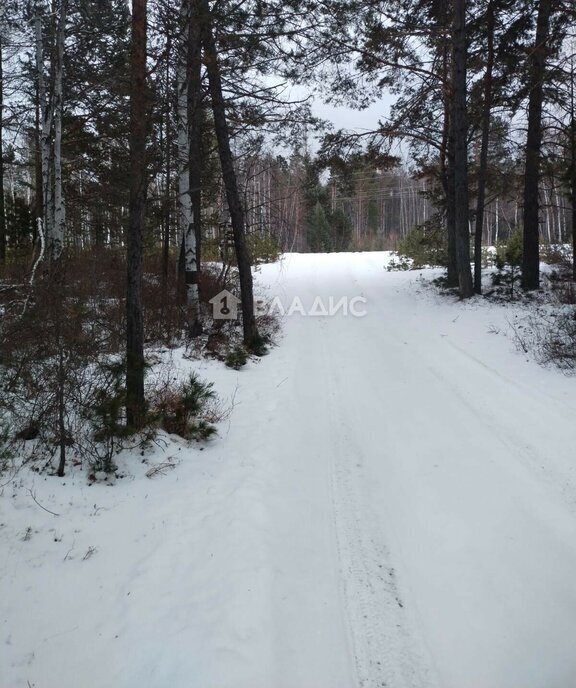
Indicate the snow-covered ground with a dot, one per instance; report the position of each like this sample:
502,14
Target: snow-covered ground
392,502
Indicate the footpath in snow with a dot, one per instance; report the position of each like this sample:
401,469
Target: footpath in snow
392,502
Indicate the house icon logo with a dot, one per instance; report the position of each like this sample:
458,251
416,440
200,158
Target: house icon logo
224,306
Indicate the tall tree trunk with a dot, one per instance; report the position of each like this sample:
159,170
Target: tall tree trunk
446,160
168,172
38,186
250,330
61,395
59,222
460,134
483,167
135,402
2,209
450,193
184,194
46,110
531,257
573,167
195,96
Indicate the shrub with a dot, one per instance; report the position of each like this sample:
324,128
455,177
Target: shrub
425,245
550,335
558,342
5,446
236,358
510,252
263,248
508,260
102,409
399,263
180,408
318,230
258,345
556,254
62,394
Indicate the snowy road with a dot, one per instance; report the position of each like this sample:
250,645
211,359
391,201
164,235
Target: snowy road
393,503
423,495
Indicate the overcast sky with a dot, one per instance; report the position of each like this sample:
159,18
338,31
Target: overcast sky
346,118
359,120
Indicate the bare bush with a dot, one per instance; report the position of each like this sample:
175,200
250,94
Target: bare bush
184,407
549,334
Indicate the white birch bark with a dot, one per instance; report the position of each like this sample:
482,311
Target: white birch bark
186,214
59,222
46,129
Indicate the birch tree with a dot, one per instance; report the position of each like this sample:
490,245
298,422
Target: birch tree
45,110
56,240
51,111
186,210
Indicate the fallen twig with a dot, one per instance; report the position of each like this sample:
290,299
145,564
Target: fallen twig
40,505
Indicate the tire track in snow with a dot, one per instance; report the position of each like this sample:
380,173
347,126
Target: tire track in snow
384,648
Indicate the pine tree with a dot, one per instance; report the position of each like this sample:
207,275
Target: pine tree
252,337
459,126
135,402
2,208
538,57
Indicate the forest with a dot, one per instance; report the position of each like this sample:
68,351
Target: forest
154,154
287,343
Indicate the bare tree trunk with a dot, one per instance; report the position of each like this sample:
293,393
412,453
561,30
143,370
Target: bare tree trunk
59,222
2,209
460,135
135,402
38,184
168,172
531,257
184,195
446,164
251,336
573,167
46,110
483,168
195,117
61,402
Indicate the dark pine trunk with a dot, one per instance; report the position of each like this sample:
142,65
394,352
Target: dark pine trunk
61,409
195,119
446,163
251,336
573,170
168,172
483,167
135,404
531,257
449,190
2,209
460,136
